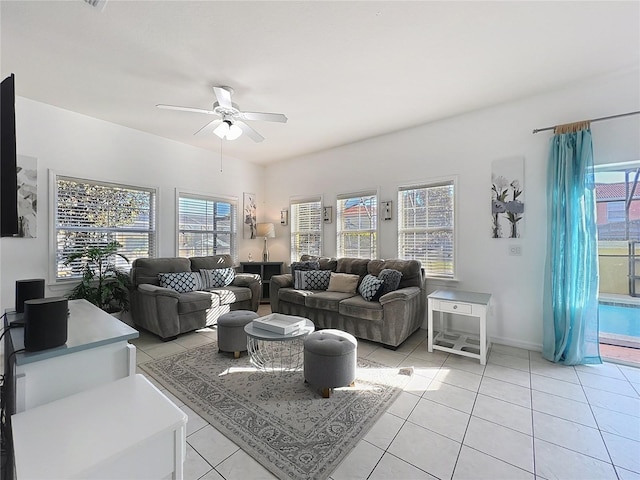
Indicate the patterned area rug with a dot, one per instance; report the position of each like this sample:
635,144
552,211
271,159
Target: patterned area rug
276,418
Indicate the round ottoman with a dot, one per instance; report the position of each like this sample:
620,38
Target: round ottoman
231,336
330,358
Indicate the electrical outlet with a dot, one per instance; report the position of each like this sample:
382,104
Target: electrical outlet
515,250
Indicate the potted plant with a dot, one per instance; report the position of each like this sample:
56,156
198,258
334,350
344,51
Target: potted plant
102,283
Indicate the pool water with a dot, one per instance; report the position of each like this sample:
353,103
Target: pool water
619,319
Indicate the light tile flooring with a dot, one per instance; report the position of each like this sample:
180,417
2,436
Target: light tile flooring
518,417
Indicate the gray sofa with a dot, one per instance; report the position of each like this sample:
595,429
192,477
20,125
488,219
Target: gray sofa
389,321
167,313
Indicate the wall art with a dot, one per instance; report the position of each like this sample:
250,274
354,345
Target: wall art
249,215
507,198
27,177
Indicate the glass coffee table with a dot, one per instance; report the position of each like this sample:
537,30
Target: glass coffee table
271,351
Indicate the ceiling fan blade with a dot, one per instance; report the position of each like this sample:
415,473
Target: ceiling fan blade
186,109
250,132
224,97
267,117
210,127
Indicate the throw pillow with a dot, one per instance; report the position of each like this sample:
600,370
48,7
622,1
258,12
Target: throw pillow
303,266
343,282
312,279
218,277
181,282
370,287
391,279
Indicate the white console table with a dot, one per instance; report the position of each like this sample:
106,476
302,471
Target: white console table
460,303
124,429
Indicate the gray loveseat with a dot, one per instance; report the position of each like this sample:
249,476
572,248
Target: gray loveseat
389,320
167,313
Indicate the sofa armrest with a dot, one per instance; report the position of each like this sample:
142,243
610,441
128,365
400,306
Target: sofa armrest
276,283
403,294
403,314
148,289
254,283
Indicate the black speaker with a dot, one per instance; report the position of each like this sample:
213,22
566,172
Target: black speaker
45,323
28,290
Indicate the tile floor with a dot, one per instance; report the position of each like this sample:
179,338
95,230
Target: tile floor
517,417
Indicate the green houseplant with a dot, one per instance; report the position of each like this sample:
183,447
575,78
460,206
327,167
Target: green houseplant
102,283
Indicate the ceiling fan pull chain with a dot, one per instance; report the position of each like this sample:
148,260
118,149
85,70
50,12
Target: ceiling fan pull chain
221,140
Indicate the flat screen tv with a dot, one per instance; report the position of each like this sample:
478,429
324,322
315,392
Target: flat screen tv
8,169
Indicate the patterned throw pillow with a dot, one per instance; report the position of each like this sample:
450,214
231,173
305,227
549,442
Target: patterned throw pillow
391,279
303,266
369,287
218,277
312,279
181,282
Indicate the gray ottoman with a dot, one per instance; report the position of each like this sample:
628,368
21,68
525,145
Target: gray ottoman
330,358
231,336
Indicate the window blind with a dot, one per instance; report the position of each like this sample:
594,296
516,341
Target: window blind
306,228
357,225
207,226
90,213
426,227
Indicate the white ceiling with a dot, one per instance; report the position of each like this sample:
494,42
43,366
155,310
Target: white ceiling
340,71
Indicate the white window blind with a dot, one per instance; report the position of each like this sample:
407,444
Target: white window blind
357,225
306,228
90,213
426,227
207,226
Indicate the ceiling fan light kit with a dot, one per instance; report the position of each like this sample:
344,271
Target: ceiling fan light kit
230,122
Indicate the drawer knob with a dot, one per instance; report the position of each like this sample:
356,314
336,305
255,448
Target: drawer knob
455,306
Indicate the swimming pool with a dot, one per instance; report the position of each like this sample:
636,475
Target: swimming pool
619,323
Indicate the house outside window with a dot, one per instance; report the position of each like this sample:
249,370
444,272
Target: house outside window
206,226
89,213
306,227
357,225
426,226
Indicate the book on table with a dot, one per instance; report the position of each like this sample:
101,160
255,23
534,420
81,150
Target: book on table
279,323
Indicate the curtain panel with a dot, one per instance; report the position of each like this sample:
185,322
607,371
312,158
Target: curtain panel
570,333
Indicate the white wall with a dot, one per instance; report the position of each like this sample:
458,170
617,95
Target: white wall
73,144
465,146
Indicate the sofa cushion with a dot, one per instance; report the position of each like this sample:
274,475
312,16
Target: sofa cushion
146,270
217,277
390,280
358,307
312,279
211,261
370,287
343,282
326,263
355,266
326,300
411,270
291,295
196,301
181,281
232,294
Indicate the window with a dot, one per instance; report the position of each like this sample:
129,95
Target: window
426,226
89,213
357,217
306,228
206,226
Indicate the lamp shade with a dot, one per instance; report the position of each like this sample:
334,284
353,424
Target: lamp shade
266,230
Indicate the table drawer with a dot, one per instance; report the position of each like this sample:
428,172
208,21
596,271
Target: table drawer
456,307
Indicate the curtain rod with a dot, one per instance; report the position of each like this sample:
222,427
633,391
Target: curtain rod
536,130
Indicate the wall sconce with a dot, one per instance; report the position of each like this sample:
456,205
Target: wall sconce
327,213
386,210
284,217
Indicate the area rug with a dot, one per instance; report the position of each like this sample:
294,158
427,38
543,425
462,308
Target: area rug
276,418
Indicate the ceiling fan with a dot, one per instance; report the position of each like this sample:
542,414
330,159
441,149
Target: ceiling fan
230,122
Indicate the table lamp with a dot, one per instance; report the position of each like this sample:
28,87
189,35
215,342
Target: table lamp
266,230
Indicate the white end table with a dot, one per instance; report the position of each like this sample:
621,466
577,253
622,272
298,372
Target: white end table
460,303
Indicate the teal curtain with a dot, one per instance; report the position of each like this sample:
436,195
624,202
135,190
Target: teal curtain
570,330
